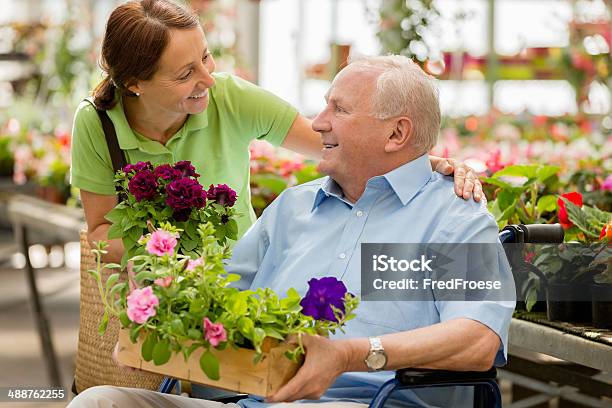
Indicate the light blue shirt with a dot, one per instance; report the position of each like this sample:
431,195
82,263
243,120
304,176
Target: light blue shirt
311,230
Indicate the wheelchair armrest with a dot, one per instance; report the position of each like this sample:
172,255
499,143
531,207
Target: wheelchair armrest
418,377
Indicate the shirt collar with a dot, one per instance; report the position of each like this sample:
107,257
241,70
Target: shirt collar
128,139
408,179
405,181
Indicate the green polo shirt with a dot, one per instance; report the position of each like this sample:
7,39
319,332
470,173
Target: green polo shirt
216,141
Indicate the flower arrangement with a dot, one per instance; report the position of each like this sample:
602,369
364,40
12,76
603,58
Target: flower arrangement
154,195
180,304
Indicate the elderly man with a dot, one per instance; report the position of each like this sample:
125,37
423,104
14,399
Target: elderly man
381,119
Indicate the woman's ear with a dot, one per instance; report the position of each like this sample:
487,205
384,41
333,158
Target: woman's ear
134,87
400,136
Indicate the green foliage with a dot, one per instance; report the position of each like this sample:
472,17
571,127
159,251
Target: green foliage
523,194
208,291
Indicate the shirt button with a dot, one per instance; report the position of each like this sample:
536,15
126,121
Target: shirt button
342,255
359,213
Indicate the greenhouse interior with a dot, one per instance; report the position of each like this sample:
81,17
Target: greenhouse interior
141,270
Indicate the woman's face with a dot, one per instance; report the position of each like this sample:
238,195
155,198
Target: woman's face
180,84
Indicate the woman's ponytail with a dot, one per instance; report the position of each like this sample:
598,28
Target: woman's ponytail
104,94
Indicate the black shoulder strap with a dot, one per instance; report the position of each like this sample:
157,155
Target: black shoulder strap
116,154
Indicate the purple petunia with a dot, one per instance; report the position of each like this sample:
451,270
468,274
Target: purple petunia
186,169
137,167
183,195
167,172
221,194
143,186
322,294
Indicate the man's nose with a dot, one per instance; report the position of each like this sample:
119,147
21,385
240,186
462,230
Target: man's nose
320,123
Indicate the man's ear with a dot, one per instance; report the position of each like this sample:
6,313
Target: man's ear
402,132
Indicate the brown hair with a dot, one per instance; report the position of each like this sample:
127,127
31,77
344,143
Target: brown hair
136,35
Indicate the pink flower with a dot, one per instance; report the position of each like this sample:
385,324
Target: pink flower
161,243
191,265
163,282
607,184
141,304
214,332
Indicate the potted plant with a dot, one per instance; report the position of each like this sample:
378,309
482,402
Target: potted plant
601,289
523,194
154,195
569,269
183,318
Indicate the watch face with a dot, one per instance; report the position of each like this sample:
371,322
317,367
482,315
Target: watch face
376,361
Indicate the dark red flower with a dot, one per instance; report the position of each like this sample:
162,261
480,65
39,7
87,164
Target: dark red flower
167,172
185,194
186,169
222,194
574,198
143,185
137,167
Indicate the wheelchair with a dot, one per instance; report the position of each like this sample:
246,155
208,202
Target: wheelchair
486,390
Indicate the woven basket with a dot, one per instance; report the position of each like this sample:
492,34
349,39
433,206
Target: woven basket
94,362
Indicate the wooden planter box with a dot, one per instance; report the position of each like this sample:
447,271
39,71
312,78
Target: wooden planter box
236,368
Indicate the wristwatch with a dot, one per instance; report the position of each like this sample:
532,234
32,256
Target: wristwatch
376,359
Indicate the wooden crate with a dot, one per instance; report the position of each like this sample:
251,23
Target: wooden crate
236,368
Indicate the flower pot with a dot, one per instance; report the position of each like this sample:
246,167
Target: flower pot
565,302
601,295
236,368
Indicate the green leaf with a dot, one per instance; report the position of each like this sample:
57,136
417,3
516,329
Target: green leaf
506,199
103,324
110,282
115,231
124,319
545,172
597,215
579,218
147,347
529,171
270,332
116,215
197,306
504,185
239,306
161,352
547,203
134,332
531,298
246,326
210,365
194,334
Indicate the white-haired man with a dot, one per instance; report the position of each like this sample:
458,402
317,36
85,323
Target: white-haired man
382,117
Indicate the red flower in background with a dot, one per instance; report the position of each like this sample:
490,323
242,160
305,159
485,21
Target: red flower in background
606,232
574,198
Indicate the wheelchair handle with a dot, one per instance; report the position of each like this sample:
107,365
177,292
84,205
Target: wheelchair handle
537,233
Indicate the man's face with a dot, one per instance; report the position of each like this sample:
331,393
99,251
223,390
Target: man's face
353,139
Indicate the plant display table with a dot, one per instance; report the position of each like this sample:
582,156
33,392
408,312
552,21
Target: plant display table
586,352
32,217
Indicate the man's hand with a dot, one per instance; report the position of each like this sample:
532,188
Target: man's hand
325,360
466,181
